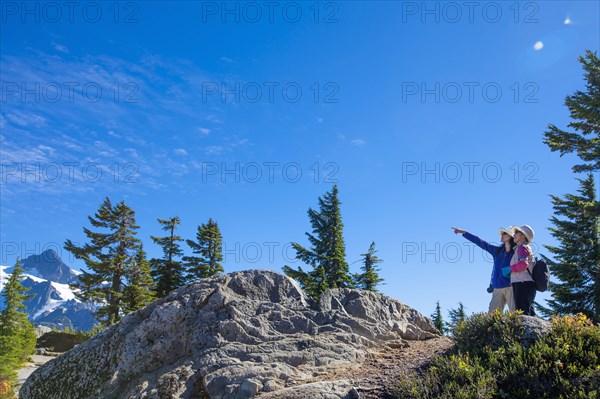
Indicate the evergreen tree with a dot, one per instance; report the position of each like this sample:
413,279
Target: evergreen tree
327,255
456,316
437,319
140,289
17,336
584,108
168,272
209,246
109,257
576,263
369,278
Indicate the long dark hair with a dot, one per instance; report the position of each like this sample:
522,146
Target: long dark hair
512,244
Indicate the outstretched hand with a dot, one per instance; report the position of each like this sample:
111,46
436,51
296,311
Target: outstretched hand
458,231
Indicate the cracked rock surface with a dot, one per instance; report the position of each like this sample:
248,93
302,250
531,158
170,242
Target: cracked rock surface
240,335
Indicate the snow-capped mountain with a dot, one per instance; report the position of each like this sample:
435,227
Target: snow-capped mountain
49,266
53,303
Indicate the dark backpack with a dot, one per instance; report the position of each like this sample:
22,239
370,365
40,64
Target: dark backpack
540,275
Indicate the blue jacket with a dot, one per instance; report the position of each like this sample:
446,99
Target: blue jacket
501,270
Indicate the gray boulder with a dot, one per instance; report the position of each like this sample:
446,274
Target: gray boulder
239,335
533,328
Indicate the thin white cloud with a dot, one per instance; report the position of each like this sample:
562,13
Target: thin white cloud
214,150
567,21
104,149
213,118
61,48
132,152
239,142
358,142
39,154
24,119
181,152
154,97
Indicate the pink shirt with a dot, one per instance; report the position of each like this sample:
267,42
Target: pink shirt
521,260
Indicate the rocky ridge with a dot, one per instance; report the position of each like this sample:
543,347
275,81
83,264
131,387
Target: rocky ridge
245,334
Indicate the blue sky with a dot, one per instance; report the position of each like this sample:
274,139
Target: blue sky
426,115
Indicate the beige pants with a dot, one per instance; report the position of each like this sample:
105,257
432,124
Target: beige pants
502,297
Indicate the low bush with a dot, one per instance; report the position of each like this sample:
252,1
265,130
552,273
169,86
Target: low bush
489,361
63,340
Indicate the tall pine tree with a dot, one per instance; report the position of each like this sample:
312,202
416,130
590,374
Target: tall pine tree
139,291
369,278
576,263
17,336
327,255
437,319
456,316
209,247
584,108
109,256
169,271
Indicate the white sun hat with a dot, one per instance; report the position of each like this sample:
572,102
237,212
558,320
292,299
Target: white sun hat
527,232
510,230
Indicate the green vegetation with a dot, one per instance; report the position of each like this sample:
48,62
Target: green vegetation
583,107
327,254
490,360
209,247
576,262
110,257
17,336
168,272
121,278
457,316
140,290
438,320
81,336
369,278
576,218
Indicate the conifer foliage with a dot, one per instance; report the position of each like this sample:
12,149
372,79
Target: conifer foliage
457,316
139,291
17,336
576,219
327,254
110,258
168,271
369,278
575,262
584,107
209,248
438,320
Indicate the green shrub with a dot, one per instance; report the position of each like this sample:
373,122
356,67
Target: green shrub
65,339
82,336
563,364
449,377
488,361
484,332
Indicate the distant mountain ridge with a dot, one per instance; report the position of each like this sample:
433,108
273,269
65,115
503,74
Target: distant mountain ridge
54,303
49,266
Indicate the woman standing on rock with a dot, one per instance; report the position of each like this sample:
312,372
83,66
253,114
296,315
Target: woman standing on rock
521,266
502,294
